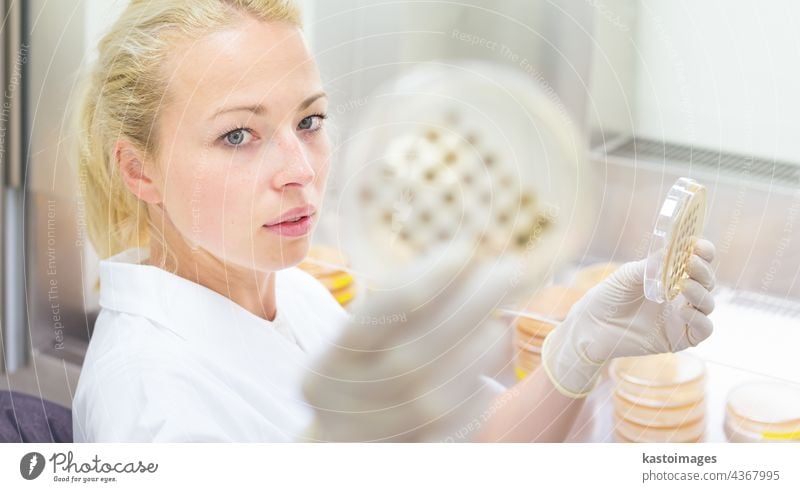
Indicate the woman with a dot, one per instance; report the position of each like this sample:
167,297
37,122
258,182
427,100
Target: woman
205,154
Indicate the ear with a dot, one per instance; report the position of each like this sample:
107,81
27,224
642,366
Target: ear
131,164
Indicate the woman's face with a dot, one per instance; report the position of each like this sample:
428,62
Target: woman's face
243,153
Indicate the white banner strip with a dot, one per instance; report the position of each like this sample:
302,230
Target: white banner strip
400,467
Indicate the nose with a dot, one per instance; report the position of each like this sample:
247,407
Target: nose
294,168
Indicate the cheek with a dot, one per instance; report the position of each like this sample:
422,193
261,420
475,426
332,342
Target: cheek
205,201
321,162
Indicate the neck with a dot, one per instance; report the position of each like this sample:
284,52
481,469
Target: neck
251,289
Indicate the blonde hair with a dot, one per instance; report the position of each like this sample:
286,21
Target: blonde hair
122,92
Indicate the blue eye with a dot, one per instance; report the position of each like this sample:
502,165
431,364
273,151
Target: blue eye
311,123
237,137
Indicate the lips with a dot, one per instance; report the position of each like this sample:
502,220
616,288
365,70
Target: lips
295,222
293,215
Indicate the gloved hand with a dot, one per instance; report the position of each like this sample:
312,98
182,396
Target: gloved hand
614,319
416,376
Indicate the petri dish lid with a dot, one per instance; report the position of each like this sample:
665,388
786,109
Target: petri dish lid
324,260
679,224
552,303
469,152
658,416
589,276
658,370
766,403
659,380
633,432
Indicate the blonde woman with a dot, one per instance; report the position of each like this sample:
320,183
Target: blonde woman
203,141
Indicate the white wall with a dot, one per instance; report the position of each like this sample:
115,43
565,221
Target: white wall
721,74
98,17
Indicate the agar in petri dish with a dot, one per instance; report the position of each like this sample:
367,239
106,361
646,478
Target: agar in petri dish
628,431
666,380
658,415
679,224
464,151
763,412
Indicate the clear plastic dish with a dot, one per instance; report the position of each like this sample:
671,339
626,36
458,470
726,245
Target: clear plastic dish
467,152
336,280
589,276
531,345
526,363
627,431
763,412
680,222
658,416
662,380
324,260
545,309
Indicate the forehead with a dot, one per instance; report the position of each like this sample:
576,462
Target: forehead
258,61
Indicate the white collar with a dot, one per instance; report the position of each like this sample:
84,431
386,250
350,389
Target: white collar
188,309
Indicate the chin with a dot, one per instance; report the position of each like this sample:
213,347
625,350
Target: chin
290,253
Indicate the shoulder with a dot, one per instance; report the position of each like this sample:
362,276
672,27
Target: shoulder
139,384
296,278
116,381
299,287
312,305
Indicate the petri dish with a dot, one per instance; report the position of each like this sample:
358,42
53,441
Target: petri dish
553,302
679,224
323,260
661,380
526,363
658,416
469,152
546,308
531,328
763,412
336,280
532,344
627,431
344,295
588,277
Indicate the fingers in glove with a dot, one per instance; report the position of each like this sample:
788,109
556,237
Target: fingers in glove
421,292
700,270
705,249
700,326
453,277
443,325
697,295
471,304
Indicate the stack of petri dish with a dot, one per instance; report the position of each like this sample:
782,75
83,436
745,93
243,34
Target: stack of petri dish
330,266
763,412
659,398
548,307
589,276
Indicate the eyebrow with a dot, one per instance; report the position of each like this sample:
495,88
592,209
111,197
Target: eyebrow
259,109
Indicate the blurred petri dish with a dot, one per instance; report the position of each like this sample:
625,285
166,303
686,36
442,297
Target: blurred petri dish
589,276
344,295
467,152
531,345
546,308
667,380
337,280
632,432
658,416
763,412
323,260
553,302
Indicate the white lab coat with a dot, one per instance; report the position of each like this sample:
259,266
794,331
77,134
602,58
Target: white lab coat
171,360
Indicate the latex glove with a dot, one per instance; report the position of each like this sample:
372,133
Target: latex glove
418,378
614,319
